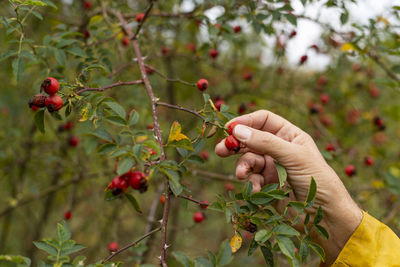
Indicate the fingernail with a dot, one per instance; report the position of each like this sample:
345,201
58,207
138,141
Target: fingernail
242,133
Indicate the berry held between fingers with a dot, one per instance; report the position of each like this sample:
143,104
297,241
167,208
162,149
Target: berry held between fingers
232,143
232,127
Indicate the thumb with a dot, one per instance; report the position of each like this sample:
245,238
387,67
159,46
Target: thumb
264,142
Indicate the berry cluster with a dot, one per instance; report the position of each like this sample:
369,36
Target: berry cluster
52,102
136,180
231,142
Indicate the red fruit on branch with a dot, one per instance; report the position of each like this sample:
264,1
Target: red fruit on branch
139,17
137,180
237,29
247,76
54,103
229,187
165,50
67,126
324,98
218,104
67,215
322,80
73,141
113,247
369,161
119,183
378,121
292,34
232,126
232,143
204,204
38,100
198,217
204,155
330,147
35,108
162,199
202,84
125,41
350,170
50,86
191,47
213,53
242,108
374,91
87,5
303,59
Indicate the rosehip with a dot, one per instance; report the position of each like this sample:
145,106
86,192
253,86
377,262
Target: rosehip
247,76
303,59
68,126
139,17
213,53
324,98
330,147
54,103
191,47
162,199
204,155
165,50
232,126
229,187
369,161
125,41
237,29
87,4
119,183
292,34
113,247
35,108
350,170
242,109
204,204
198,217
73,141
218,104
322,80
374,91
202,84
50,86
67,215
135,180
38,100
232,143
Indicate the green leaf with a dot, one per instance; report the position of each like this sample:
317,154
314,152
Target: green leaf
174,178
284,229
63,232
322,231
39,120
125,165
74,249
252,248
298,206
318,215
46,247
268,256
224,256
317,249
282,174
312,191
117,120
133,117
76,51
33,3
7,54
195,159
247,190
202,262
106,148
102,134
181,258
19,260
117,108
61,57
261,198
134,202
18,66
303,251
262,236
286,246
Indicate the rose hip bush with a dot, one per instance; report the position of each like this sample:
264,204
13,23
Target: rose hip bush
111,109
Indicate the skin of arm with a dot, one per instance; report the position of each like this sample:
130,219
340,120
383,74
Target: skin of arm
266,137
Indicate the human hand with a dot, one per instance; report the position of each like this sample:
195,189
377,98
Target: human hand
266,137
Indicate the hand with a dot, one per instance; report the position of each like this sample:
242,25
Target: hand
266,137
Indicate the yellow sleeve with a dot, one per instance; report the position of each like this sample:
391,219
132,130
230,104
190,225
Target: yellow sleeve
372,244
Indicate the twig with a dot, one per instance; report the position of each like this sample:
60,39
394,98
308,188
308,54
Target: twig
143,19
165,15
109,86
190,198
170,79
131,244
377,60
215,176
181,108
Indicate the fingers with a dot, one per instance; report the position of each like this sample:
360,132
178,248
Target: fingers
264,143
257,181
249,163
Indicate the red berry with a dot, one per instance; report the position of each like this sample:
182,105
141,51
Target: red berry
202,84
303,59
125,41
213,53
165,50
68,126
247,76
204,155
67,215
86,34
135,180
113,247
374,91
35,108
369,161
252,104
315,47
237,29
232,143
324,98
229,187
242,109
322,80
149,70
87,4
119,183
330,147
54,103
198,217
292,34
73,141
150,127
162,199
204,204
50,86
218,104
232,126
38,100
350,170
191,47
139,17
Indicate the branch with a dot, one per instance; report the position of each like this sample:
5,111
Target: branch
190,198
215,176
377,60
131,245
143,20
109,86
170,79
181,108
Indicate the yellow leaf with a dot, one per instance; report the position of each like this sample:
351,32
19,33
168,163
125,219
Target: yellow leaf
394,171
347,47
140,139
175,133
85,113
212,105
96,19
377,184
236,242
382,19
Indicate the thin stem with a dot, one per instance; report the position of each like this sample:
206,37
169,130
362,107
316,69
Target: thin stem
109,86
131,244
170,79
215,176
181,108
190,198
